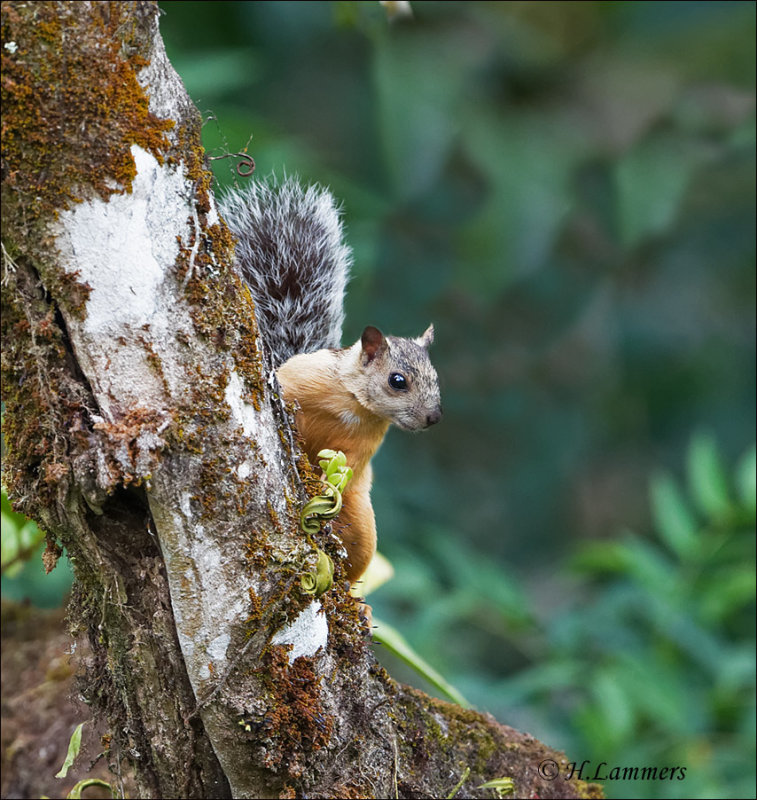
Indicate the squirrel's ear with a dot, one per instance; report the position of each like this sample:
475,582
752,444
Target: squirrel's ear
428,337
373,342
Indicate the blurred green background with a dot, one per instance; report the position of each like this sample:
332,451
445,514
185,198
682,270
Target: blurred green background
567,190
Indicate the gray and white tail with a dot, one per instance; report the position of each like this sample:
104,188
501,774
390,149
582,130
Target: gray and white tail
290,252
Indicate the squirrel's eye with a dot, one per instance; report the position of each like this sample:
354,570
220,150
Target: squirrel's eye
397,381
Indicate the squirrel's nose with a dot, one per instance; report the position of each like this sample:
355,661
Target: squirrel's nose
433,417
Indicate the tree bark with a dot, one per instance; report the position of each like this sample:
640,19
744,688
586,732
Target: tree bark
146,436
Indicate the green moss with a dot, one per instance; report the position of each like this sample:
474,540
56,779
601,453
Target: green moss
295,721
154,362
589,791
70,117
123,439
221,306
471,740
38,396
256,609
273,516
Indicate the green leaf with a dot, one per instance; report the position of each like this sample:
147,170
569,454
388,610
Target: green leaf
395,643
651,181
19,538
729,591
564,673
219,71
459,784
30,536
74,745
651,565
9,540
601,558
654,688
707,478
75,793
674,521
613,703
746,479
13,569
502,786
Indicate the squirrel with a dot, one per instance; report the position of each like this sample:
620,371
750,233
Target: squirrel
291,254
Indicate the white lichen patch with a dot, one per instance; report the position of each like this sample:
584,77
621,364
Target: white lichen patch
125,250
244,470
218,647
208,593
307,633
123,247
224,604
243,413
185,505
212,217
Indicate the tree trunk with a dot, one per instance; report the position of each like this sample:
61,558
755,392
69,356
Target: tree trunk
145,435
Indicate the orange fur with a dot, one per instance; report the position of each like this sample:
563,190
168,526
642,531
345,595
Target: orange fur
330,417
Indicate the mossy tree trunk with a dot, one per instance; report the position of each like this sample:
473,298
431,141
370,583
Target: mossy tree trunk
145,435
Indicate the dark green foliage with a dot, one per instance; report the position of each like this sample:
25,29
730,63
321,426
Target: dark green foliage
664,642
642,653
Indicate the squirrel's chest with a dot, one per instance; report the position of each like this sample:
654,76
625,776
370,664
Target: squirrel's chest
345,431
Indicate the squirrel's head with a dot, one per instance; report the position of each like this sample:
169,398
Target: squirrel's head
397,381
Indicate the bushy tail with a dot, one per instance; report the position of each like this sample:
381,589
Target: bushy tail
291,254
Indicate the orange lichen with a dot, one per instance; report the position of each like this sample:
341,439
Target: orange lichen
70,115
296,721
